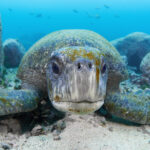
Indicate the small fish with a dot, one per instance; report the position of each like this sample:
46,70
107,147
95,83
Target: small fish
75,11
97,16
106,6
116,16
39,15
10,9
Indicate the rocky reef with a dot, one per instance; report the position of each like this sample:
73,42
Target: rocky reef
135,46
145,65
135,51
13,53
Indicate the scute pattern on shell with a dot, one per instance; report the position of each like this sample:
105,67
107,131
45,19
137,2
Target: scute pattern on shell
32,69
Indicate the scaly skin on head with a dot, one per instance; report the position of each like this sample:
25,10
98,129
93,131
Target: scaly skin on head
94,55
77,78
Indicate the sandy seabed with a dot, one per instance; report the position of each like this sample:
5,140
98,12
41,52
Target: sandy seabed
87,132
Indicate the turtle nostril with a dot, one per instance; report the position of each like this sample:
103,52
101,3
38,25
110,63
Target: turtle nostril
79,66
90,65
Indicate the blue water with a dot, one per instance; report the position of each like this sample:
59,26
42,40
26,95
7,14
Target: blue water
28,20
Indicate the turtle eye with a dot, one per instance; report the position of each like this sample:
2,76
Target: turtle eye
104,69
55,68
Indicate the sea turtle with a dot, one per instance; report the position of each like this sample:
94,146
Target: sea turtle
77,70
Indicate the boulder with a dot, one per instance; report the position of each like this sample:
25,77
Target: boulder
13,53
135,46
145,65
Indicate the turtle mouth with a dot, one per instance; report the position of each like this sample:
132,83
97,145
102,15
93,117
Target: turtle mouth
79,102
81,107
85,101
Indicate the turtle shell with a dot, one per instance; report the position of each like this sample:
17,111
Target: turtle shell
32,69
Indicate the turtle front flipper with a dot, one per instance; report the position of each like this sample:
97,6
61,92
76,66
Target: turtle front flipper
133,106
16,101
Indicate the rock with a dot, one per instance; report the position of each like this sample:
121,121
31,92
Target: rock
110,129
37,130
10,79
135,82
103,121
13,52
3,129
5,146
13,125
135,46
138,80
56,136
59,126
145,65
1,51
125,59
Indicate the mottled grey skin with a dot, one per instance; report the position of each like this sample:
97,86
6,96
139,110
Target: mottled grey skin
76,69
133,106
13,101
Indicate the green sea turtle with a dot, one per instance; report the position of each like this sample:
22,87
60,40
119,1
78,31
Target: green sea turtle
79,71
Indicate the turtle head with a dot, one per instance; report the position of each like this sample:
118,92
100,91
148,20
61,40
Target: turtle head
76,79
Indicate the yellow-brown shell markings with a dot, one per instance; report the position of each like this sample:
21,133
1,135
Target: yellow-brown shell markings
94,55
4,101
57,98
